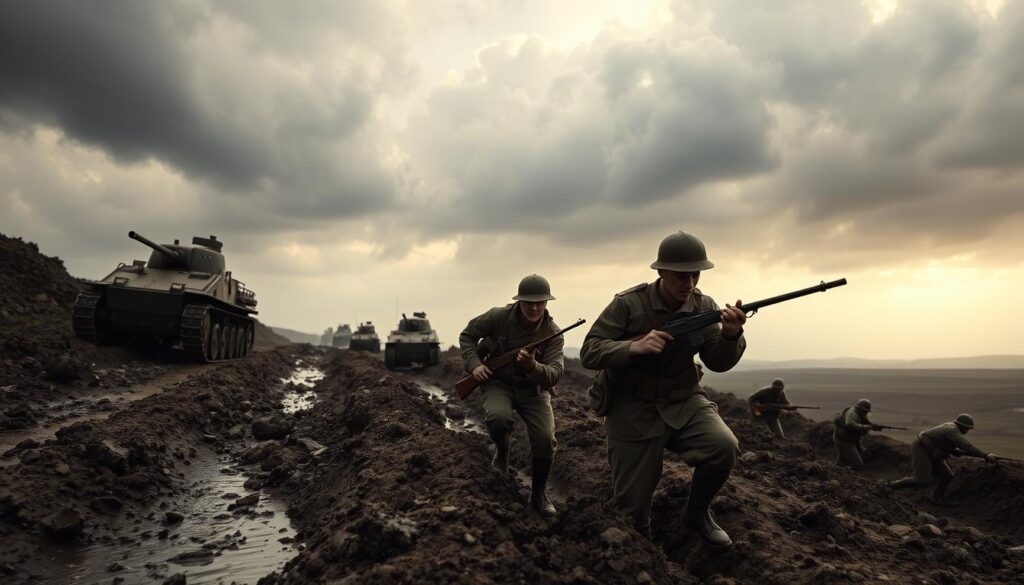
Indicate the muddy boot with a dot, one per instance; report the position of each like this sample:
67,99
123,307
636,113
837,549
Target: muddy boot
539,497
501,448
698,515
938,496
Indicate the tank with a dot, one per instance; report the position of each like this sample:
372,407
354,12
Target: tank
327,337
181,298
414,343
365,338
343,336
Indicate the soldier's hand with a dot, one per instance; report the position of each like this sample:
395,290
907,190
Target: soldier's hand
481,373
652,343
526,359
733,319
991,458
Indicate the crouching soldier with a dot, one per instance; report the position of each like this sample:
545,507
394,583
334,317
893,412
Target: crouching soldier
774,395
929,452
652,397
523,387
851,425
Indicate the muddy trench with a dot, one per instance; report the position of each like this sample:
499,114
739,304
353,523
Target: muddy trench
163,484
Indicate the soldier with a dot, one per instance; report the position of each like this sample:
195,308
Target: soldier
523,387
774,394
654,400
929,452
852,424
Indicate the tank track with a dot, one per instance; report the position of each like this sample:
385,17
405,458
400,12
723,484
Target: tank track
195,334
85,314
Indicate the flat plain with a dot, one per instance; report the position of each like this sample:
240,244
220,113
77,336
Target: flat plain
916,399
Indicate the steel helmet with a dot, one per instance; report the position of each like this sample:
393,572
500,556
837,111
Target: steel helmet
965,420
682,252
778,383
534,288
864,405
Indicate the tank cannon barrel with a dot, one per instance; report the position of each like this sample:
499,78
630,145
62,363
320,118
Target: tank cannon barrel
169,253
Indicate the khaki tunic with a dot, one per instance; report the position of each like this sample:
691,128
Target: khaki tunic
846,438
512,390
930,450
635,412
655,402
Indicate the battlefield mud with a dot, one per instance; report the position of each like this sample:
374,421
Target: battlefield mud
302,465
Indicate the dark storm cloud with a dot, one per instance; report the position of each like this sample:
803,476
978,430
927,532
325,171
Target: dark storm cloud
145,81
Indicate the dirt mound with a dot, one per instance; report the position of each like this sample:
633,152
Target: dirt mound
267,338
399,498
795,517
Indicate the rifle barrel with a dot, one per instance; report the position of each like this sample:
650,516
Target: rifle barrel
824,286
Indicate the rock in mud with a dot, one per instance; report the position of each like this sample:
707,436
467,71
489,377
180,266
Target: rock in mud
274,426
176,579
173,518
64,526
64,369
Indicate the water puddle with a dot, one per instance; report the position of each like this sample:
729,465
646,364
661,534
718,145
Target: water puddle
455,418
210,544
299,393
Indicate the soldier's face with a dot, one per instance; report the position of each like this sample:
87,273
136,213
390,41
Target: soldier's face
532,311
679,285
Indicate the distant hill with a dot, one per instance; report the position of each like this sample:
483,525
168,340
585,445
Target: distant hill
297,336
1007,362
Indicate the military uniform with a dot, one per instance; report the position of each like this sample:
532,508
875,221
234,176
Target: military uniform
929,452
655,401
511,389
769,418
853,424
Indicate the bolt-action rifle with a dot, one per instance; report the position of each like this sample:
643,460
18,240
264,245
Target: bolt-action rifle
959,453
888,428
760,409
692,327
465,386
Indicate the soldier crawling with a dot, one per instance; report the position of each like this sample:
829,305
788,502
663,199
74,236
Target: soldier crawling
929,452
850,426
774,395
524,386
653,398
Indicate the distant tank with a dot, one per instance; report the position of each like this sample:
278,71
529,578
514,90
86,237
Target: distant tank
327,336
181,298
365,338
414,342
343,336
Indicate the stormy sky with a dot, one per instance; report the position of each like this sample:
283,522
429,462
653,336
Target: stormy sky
364,159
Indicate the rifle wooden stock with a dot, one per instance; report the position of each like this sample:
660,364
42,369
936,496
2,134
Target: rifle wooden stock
465,386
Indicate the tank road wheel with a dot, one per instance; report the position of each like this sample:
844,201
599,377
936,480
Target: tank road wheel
239,341
243,335
231,337
215,344
250,336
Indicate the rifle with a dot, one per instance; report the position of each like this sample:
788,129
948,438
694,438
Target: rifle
465,386
760,409
888,428
959,453
692,326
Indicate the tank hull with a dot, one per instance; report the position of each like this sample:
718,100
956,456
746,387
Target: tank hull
403,355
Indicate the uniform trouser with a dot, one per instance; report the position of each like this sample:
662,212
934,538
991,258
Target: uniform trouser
773,425
704,441
926,470
500,401
849,453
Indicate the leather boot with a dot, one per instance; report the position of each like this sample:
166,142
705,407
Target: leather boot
501,449
706,483
538,496
939,494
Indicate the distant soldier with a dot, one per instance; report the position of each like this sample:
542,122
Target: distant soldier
851,425
769,417
929,452
654,398
523,387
